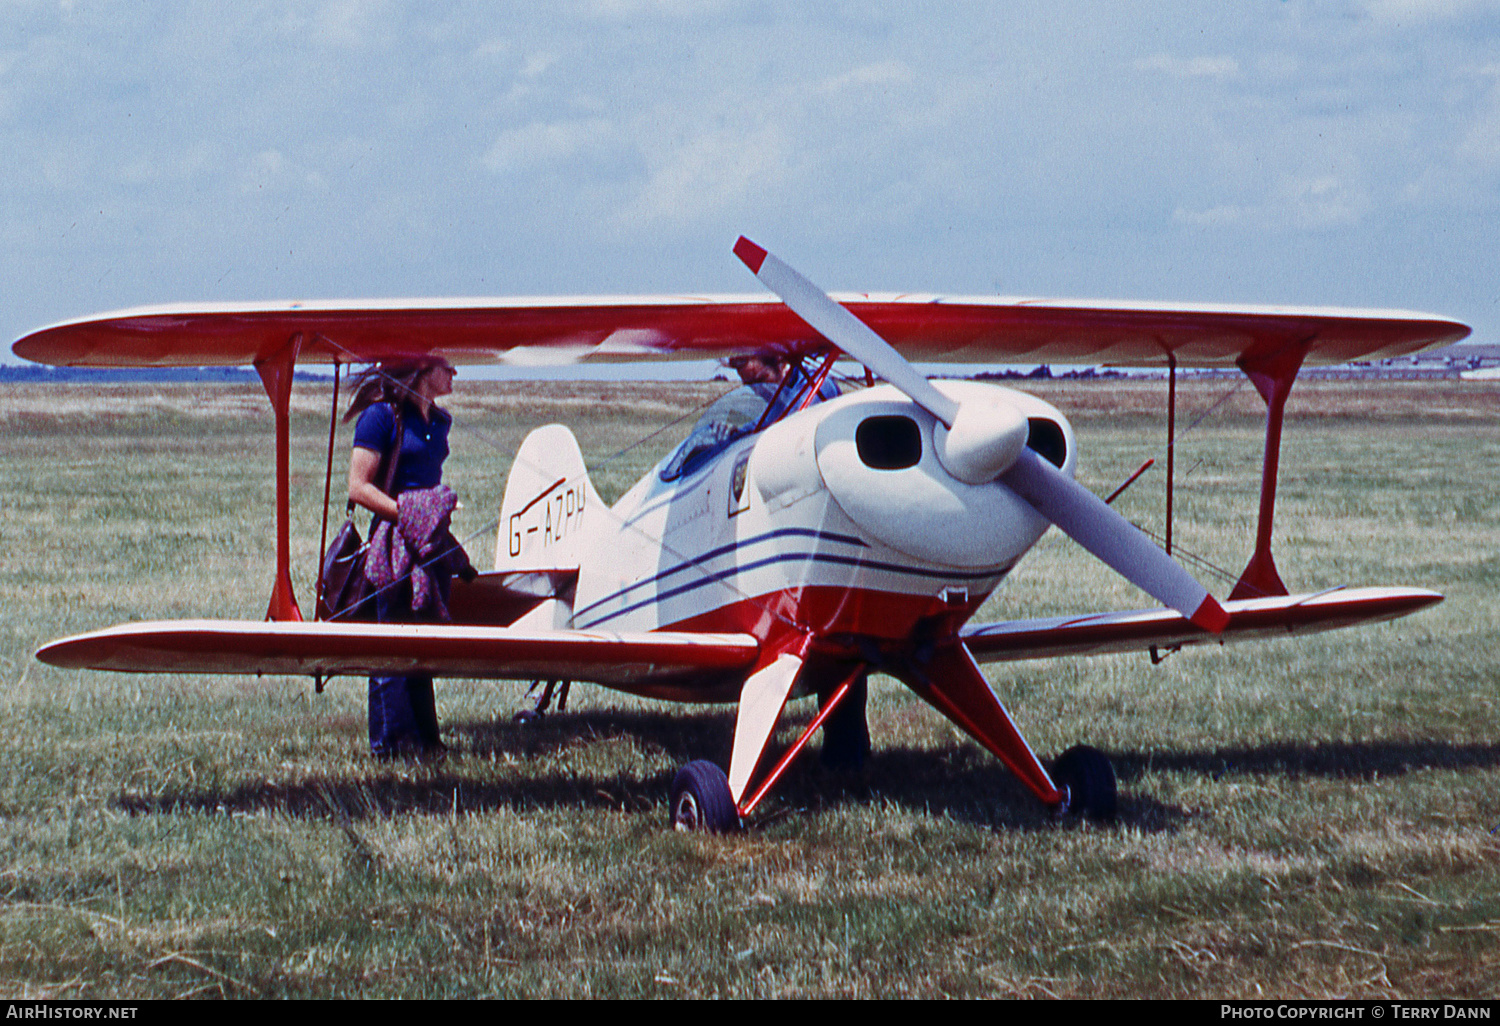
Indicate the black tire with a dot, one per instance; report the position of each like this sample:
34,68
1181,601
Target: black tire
1090,781
701,799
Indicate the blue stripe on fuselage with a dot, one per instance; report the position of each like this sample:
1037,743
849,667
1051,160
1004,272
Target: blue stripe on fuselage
785,557
723,550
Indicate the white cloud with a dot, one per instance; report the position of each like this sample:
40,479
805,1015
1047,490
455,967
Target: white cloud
1480,148
537,64
619,10
1296,204
1046,145
708,176
880,74
1464,173
1415,11
1190,67
270,171
539,144
354,24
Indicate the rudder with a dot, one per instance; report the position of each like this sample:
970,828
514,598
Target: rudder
549,504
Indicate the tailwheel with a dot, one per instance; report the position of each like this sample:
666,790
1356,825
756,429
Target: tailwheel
539,707
701,799
1090,781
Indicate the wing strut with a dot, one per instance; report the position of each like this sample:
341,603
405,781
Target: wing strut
761,701
835,700
276,374
1273,376
1171,438
952,683
333,426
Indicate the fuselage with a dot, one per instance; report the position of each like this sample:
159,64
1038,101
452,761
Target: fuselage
838,522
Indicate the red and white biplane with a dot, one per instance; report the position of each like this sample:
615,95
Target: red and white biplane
783,550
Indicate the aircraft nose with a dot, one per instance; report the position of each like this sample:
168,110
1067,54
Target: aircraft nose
877,454
988,434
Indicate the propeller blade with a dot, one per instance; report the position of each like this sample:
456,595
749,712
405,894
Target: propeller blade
1078,512
835,323
1084,517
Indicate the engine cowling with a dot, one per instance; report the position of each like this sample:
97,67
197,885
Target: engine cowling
879,456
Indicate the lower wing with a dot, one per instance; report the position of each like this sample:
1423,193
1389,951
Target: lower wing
632,662
1139,630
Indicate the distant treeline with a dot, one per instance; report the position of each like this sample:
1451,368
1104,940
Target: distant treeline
38,374
1044,372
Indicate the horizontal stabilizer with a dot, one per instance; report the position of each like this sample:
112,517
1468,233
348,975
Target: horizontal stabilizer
500,599
628,661
1137,631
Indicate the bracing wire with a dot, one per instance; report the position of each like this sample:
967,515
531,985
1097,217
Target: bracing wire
484,437
844,379
1178,551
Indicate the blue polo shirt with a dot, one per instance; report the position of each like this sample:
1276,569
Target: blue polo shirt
424,444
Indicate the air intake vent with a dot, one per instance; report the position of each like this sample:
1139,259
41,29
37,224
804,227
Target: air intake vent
1047,440
889,443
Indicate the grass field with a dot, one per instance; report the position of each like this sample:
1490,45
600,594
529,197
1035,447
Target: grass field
1302,819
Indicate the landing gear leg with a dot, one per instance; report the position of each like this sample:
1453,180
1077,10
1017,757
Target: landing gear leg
953,683
540,705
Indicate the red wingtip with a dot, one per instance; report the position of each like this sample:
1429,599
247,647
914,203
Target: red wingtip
1211,616
750,253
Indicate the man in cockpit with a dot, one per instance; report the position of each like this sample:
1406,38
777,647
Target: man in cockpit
770,380
769,372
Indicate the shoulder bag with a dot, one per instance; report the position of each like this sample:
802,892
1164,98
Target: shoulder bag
347,593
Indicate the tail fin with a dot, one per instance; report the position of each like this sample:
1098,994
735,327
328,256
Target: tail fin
549,504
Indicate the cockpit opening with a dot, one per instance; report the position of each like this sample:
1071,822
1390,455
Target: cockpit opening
764,398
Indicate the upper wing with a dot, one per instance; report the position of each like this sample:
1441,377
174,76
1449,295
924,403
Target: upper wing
923,328
643,662
1139,630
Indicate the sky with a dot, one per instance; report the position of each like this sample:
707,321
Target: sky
1344,152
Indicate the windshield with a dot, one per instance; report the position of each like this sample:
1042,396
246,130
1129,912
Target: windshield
733,415
736,414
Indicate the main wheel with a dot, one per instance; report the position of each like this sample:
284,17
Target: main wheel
701,799
1090,781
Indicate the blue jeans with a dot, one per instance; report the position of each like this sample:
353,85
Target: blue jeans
403,710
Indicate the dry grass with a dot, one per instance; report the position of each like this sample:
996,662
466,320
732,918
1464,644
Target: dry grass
1305,819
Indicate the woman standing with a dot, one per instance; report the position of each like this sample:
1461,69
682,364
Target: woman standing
396,402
